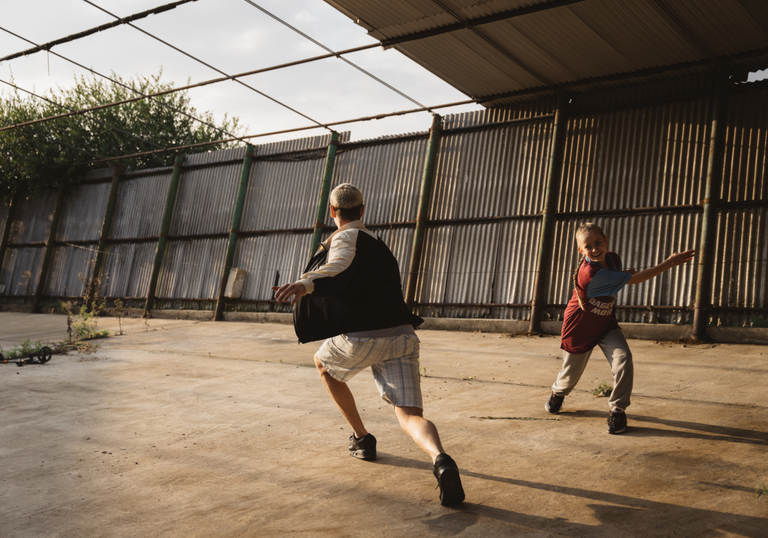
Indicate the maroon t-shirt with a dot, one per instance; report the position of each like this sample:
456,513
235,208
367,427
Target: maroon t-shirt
584,329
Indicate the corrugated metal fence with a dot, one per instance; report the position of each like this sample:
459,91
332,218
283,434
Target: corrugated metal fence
637,163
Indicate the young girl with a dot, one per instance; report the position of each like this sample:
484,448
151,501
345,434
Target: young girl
590,321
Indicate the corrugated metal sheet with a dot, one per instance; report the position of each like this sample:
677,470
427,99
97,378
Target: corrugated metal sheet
389,175
580,42
498,172
32,219
21,270
741,264
71,271
82,214
210,157
651,156
192,269
128,269
139,207
487,263
282,195
299,144
205,200
499,115
746,144
281,256
515,273
641,157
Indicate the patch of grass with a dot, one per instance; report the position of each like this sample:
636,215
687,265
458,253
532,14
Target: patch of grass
466,377
603,389
23,350
761,490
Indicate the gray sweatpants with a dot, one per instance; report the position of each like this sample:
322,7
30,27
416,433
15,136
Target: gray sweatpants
616,350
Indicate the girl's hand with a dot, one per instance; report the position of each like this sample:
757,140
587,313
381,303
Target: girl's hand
679,258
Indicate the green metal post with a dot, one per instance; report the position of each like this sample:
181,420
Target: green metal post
549,212
706,254
162,240
330,161
422,217
7,229
242,190
49,250
98,265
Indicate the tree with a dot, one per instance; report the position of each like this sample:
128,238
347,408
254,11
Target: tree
54,153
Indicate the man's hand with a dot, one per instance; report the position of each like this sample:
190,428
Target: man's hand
283,293
679,258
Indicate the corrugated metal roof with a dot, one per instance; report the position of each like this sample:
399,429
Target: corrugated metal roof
513,50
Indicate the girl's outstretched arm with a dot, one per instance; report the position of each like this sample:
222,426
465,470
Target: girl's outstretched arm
678,258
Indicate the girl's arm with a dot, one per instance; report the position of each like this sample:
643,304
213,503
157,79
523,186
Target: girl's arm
678,258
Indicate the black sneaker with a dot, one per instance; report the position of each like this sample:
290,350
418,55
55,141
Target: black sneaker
447,474
554,403
363,448
617,422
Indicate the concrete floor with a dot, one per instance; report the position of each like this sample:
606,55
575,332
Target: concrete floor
185,428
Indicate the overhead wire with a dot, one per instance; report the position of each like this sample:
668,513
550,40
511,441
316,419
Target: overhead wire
91,31
210,66
72,112
57,140
331,54
337,55
286,131
128,87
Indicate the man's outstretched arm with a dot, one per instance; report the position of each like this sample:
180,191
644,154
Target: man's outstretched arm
284,293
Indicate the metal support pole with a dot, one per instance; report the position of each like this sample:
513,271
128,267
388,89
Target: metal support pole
162,240
7,230
706,254
549,212
98,265
330,161
49,250
422,217
242,190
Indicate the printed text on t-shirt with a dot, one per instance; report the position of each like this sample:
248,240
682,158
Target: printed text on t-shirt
600,308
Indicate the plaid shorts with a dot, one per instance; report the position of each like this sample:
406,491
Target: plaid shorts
394,362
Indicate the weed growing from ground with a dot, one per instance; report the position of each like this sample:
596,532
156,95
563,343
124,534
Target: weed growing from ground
119,314
23,350
603,389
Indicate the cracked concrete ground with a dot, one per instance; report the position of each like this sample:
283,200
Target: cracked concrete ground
184,428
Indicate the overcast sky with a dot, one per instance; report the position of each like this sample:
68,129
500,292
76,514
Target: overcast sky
235,37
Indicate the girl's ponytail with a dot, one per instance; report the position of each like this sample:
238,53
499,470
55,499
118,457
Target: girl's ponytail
576,284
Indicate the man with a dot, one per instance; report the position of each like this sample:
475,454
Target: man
351,296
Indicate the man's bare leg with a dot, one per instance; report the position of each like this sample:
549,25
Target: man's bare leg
421,430
343,399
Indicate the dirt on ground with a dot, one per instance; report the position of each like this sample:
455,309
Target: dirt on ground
185,428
